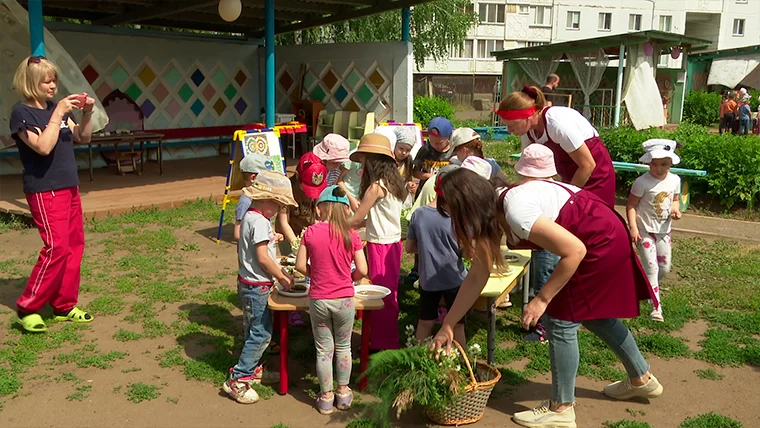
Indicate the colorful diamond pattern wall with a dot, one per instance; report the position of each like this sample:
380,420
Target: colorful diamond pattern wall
346,87
172,95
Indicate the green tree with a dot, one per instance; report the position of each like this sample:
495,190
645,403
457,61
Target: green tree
435,27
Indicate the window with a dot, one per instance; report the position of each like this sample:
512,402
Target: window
605,21
531,44
634,22
523,10
485,47
741,1
666,23
573,20
738,27
492,13
462,51
541,15
511,8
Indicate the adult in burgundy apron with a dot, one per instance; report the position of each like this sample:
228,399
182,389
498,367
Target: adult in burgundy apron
610,281
602,179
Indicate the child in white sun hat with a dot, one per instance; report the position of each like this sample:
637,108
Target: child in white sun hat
653,202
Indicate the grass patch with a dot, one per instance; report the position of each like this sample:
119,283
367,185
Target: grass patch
139,392
362,423
10,383
87,357
266,392
625,423
10,222
710,420
709,374
191,247
210,367
515,377
141,311
729,348
662,345
173,400
126,335
82,392
106,305
130,370
161,292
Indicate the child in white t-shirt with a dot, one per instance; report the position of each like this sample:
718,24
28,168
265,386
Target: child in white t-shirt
653,202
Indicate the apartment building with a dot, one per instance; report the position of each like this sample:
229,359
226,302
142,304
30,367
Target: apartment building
510,24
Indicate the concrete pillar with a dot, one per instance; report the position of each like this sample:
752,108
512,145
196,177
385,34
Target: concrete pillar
619,85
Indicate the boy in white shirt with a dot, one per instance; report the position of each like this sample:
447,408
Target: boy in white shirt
653,202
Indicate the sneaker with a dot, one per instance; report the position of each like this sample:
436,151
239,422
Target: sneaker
542,416
537,334
241,391
656,315
325,406
343,401
624,390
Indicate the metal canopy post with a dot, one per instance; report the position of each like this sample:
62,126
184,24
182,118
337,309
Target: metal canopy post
619,85
406,22
269,73
36,28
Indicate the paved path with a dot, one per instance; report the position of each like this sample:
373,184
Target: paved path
714,226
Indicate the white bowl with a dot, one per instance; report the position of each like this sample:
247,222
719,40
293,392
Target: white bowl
371,288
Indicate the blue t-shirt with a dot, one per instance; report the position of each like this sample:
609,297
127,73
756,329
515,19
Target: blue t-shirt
242,207
745,112
57,170
440,261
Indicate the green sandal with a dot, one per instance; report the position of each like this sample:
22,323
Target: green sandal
75,315
33,323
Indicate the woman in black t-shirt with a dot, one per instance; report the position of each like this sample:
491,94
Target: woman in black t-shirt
45,133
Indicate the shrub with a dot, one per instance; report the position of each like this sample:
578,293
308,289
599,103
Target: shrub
702,107
427,108
732,162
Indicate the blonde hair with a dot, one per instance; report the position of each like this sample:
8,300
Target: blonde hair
521,100
475,146
335,214
30,74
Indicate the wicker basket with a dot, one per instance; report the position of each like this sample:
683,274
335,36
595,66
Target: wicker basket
469,407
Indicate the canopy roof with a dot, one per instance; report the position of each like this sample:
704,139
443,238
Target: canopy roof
290,15
730,52
610,44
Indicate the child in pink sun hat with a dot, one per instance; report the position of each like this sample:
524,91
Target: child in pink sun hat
333,150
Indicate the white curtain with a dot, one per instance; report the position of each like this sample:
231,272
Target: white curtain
538,68
15,46
589,68
641,94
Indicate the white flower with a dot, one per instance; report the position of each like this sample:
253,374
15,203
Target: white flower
475,349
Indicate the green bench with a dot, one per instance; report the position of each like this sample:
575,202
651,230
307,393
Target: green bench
637,167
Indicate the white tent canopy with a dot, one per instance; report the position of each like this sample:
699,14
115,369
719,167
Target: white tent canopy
732,71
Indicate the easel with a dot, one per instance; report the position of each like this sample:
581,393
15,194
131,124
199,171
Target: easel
239,138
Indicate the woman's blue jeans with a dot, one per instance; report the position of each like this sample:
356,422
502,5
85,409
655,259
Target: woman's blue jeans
565,356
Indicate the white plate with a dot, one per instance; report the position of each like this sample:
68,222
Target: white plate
280,290
386,291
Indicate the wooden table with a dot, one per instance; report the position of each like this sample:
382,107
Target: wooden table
498,288
282,306
135,137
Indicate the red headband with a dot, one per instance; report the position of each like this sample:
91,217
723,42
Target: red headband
438,182
516,114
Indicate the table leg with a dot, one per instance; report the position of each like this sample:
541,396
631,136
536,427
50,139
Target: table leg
491,329
142,159
364,351
526,287
283,323
160,158
89,148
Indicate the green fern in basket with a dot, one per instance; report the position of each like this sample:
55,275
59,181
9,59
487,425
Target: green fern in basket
400,378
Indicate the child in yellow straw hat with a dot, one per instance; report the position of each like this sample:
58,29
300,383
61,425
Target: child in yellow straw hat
257,257
382,192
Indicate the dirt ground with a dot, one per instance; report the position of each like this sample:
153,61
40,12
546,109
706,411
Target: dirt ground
42,403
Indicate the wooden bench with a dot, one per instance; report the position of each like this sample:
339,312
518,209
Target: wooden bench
637,167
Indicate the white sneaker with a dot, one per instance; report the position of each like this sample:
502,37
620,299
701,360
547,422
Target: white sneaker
624,390
543,417
241,391
656,315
